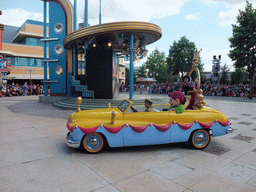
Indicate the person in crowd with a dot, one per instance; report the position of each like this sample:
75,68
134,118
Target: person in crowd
141,89
8,91
25,88
4,90
33,89
13,92
1,87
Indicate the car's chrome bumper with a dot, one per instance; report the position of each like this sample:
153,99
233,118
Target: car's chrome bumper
71,143
229,130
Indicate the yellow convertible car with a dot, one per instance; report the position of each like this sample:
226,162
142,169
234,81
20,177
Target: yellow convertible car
118,127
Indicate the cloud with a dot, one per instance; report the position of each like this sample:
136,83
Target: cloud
192,16
133,10
229,17
16,17
231,2
112,11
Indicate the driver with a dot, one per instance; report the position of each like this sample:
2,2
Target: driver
148,106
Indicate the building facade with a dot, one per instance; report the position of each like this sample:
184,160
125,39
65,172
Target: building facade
22,53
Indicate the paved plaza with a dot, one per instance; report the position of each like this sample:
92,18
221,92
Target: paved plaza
35,157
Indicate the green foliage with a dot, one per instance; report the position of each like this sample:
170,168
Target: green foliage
156,63
180,57
240,75
142,71
127,76
224,74
243,41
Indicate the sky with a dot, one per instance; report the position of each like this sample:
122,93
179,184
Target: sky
207,23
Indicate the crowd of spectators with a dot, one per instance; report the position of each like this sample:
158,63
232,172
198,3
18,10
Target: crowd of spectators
228,90
231,90
10,90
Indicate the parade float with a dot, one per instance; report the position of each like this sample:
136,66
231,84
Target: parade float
120,126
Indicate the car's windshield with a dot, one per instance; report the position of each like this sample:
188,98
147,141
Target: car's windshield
123,106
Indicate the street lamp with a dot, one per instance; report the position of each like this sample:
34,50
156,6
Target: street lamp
30,71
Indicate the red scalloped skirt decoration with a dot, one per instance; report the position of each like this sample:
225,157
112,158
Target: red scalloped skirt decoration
139,129
71,129
113,129
88,131
185,126
163,128
224,123
68,123
206,125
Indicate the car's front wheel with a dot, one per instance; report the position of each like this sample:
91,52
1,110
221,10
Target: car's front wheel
93,143
200,139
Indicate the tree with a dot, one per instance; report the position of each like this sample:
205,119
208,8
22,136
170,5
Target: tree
142,71
127,76
237,76
180,57
156,63
243,42
240,75
224,74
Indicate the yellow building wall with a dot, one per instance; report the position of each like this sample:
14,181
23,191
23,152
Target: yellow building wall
15,70
30,28
24,50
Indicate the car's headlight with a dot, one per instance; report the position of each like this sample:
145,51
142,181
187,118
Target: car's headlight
229,130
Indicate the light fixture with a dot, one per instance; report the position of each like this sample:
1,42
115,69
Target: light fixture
58,28
94,45
58,70
109,44
58,49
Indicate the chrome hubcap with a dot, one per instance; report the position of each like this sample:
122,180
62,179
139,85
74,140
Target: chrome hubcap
199,138
93,142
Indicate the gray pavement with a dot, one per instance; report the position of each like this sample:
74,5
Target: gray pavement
34,156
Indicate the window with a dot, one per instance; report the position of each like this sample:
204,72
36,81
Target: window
31,41
39,63
20,61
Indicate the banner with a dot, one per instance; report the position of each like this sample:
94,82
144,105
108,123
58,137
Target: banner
4,64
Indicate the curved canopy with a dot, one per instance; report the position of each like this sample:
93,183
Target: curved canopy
117,33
